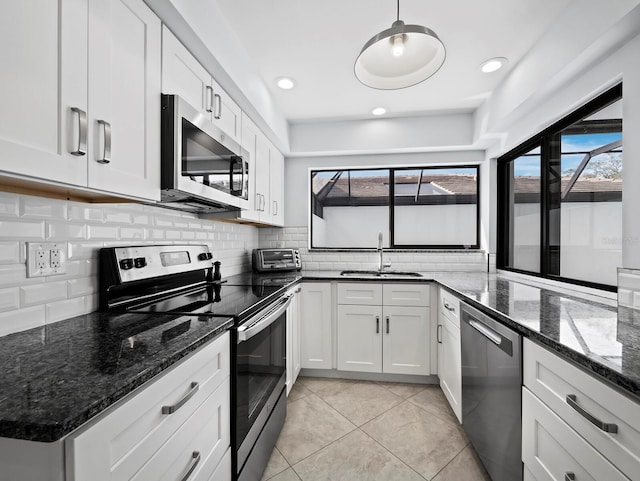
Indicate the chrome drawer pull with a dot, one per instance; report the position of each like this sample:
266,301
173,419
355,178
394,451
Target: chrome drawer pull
387,324
439,334
448,307
81,149
377,324
172,409
606,427
195,459
569,477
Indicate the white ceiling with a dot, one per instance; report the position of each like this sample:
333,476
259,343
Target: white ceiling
316,43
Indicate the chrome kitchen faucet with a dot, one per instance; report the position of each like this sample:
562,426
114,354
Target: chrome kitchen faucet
381,264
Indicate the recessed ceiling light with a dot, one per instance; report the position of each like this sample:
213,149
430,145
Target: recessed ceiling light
379,111
493,64
285,83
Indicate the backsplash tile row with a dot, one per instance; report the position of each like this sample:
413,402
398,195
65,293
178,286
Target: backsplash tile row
30,302
323,260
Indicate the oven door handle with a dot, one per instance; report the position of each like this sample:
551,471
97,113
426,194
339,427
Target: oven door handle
265,319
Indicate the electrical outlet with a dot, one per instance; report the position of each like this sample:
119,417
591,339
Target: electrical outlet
46,258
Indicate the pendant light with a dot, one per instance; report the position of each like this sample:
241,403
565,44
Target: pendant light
399,57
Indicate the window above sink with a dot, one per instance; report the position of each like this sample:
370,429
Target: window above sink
422,207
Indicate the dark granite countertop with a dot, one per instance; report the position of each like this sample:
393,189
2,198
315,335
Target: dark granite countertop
57,377
601,338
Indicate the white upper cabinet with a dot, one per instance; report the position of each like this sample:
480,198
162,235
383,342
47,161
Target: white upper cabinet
276,187
183,75
82,92
124,98
44,77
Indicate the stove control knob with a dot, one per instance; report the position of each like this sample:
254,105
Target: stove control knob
126,264
140,262
205,256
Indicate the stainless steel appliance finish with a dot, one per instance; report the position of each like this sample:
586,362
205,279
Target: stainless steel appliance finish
268,260
202,170
491,392
176,279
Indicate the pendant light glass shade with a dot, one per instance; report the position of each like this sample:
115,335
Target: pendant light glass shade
399,57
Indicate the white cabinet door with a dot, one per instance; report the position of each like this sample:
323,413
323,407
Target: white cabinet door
226,113
293,339
183,75
249,140
405,344
263,177
450,363
360,293
276,181
359,340
124,98
552,451
316,347
44,76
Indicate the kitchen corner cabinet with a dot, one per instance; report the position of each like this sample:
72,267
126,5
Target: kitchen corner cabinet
563,411
383,328
293,338
81,92
449,350
316,343
183,75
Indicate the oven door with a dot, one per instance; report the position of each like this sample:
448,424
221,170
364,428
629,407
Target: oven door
260,375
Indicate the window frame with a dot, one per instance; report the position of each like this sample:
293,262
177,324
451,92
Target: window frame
391,208
549,143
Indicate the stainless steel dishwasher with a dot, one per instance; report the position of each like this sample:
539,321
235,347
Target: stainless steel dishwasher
491,393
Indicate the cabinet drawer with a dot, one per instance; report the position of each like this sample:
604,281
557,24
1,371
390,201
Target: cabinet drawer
119,443
551,450
449,306
205,435
405,294
552,379
367,293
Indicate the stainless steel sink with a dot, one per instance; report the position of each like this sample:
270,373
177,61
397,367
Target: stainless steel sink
379,274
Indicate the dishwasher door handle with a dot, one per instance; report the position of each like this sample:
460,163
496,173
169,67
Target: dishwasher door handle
486,332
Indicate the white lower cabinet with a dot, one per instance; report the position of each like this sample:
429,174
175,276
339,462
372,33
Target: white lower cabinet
178,424
552,451
316,343
293,338
373,336
574,423
449,351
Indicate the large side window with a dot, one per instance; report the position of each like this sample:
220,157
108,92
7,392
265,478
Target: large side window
560,198
419,207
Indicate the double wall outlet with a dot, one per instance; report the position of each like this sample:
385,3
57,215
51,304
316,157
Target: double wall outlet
46,258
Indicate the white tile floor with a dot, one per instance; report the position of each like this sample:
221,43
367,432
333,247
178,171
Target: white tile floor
338,430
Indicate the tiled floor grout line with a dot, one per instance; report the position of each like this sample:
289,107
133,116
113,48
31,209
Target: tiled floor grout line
452,460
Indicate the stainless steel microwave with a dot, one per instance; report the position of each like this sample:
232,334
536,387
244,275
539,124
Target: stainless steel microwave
202,169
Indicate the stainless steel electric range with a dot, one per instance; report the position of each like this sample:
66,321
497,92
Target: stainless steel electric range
178,279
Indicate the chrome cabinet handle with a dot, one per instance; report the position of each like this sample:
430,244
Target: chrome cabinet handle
195,459
486,332
106,152
387,318
377,324
602,426
275,207
208,98
81,149
217,113
569,477
439,334
264,203
172,409
449,308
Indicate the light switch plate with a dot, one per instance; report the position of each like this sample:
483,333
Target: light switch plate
46,258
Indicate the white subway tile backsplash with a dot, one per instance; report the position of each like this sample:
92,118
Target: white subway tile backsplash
83,286
172,234
9,252
16,275
36,207
9,205
21,319
42,293
84,250
65,231
114,215
142,219
9,299
57,311
81,212
21,230
107,232
132,233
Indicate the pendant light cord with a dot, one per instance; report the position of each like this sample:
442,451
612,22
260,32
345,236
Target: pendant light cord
398,18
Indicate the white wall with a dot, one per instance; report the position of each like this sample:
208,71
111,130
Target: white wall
31,302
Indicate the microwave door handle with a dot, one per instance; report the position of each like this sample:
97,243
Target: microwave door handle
246,333
244,187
